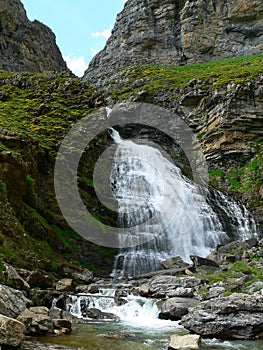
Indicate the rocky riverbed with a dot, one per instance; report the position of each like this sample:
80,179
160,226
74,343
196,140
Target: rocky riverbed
220,296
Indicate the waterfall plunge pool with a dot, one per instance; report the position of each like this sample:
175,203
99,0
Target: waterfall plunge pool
138,317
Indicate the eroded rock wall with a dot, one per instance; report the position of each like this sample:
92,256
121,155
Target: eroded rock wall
170,32
25,45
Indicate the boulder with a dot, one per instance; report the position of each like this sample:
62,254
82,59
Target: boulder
17,280
176,262
12,301
40,280
12,332
63,325
99,315
162,286
185,342
85,277
143,290
88,289
65,285
199,261
36,320
216,291
43,297
174,308
238,316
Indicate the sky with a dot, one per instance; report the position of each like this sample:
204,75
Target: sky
81,26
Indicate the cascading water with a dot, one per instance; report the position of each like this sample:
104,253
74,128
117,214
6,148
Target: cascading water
170,209
132,309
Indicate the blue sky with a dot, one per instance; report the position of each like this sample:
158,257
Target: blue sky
81,26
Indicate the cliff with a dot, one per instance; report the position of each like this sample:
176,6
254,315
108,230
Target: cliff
25,45
170,32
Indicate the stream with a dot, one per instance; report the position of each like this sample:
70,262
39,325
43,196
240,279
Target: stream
138,319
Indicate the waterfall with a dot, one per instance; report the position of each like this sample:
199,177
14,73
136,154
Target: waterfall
157,200
133,310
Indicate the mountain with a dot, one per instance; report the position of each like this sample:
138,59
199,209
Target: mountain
178,32
25,45
221,100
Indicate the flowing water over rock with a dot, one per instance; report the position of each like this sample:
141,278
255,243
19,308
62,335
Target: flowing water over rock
138,320
179,217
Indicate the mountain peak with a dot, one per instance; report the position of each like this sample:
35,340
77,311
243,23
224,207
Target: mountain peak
26,45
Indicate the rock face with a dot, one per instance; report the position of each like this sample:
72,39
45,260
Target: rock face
25,45
238,316
171,286
12,301
12,332
172,32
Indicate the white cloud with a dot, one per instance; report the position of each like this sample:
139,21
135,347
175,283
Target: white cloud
106,33
76,64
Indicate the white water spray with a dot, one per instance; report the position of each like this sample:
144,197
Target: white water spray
157,200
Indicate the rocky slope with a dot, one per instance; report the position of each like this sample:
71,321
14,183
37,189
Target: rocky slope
36,111
170,32
24,45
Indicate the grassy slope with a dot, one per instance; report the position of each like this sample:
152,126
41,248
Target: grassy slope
214,74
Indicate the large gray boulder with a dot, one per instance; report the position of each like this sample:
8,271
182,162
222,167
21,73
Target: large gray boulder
12,332
172,286
12,301
174,308
36,320
238,316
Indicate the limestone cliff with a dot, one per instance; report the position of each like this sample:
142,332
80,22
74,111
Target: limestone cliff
176,32
25,45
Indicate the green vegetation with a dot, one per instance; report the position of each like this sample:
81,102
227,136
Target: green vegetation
30,181
214,75
248,178
42,106
2,187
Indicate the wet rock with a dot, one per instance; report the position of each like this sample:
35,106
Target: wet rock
185,342
36,320
12,332
238,316
99,315
161,286
61,302
176,262
174,308
118,335
39,279
12,301
65,285
62,325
